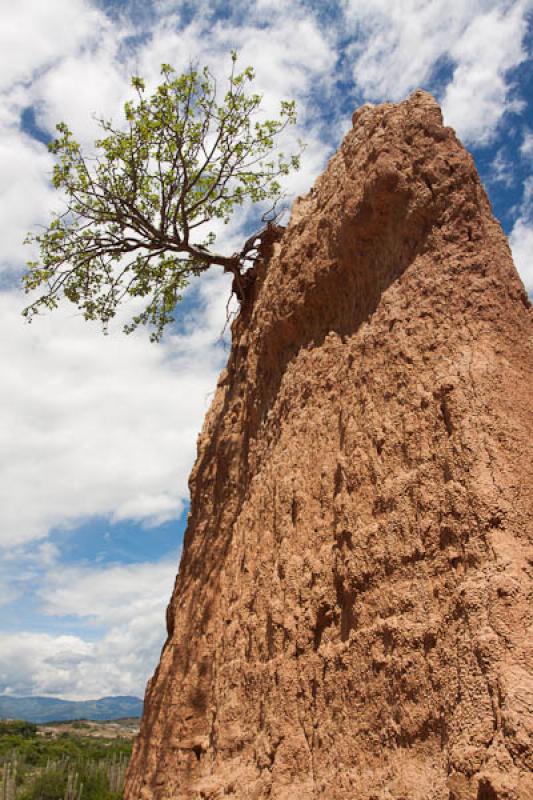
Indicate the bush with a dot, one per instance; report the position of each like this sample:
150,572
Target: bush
48,785
17,727
88,781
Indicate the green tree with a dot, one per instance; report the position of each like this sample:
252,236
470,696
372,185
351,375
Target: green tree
136,210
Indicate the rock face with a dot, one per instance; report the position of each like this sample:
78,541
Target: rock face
352,615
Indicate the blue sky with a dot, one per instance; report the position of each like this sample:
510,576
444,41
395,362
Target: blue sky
99,433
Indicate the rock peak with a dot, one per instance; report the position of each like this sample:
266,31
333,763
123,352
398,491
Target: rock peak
352,613
422,97
419,99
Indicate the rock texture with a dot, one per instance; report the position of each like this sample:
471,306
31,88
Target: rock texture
352,615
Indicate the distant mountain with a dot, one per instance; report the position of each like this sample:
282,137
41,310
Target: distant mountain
52,709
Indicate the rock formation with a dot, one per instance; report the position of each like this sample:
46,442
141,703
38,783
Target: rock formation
352,615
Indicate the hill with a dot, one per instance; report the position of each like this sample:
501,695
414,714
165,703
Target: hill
53,709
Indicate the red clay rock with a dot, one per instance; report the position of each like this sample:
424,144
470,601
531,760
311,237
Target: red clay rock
352,615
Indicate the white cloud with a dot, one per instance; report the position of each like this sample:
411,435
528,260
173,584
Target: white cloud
100,425
521,238
87,85
46,554
400,45
62,61
526,148
128,602
479,93
35,35
501,169
36,662
521,241
26,194
120,593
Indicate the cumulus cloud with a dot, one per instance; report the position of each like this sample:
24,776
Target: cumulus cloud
403,45
100,425
62,62
118,592
126,602
27,197
35,35
488,49
398,44
89,85
34,663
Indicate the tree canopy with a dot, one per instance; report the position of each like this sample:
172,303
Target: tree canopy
137,208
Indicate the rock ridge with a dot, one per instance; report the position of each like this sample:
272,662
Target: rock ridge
352,613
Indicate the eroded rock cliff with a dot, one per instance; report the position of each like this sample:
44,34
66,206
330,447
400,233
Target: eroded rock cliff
352,615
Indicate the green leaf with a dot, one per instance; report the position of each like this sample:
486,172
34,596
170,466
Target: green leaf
180,158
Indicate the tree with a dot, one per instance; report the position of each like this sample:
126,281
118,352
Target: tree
137,209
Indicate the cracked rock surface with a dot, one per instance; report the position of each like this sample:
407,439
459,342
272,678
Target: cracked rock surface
352,614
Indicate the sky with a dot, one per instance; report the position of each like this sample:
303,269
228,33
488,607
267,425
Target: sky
98,433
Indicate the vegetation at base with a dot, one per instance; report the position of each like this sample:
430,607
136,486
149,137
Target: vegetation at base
90,780
17,727
70,766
